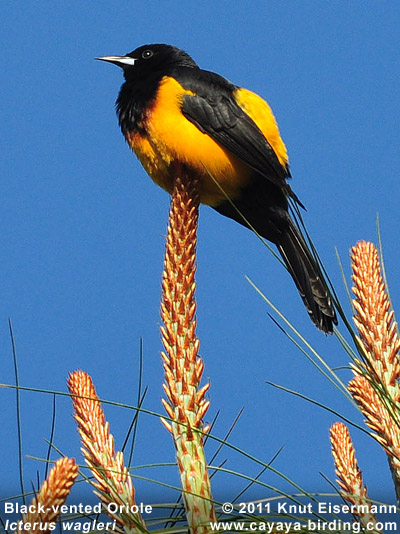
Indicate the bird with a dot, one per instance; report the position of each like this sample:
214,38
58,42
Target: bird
171,112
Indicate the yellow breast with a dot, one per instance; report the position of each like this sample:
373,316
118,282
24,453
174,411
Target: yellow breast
170,137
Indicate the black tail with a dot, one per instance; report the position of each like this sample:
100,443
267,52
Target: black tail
308,278
264,207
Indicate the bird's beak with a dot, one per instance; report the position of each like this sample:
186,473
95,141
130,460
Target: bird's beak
121,61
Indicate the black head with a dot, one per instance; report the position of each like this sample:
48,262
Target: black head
151,59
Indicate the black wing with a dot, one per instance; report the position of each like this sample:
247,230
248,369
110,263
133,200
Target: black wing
214,111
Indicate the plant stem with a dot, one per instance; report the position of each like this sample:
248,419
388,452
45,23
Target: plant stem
186,405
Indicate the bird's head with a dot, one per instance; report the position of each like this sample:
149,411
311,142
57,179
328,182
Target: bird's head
150,59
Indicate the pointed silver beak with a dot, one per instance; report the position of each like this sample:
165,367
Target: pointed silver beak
121,61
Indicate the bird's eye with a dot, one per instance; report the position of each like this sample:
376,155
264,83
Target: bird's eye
147,54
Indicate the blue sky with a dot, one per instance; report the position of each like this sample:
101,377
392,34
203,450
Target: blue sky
82,226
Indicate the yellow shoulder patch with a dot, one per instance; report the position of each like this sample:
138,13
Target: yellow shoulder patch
258,109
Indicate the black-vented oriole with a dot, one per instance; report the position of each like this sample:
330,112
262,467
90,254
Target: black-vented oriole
171,111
